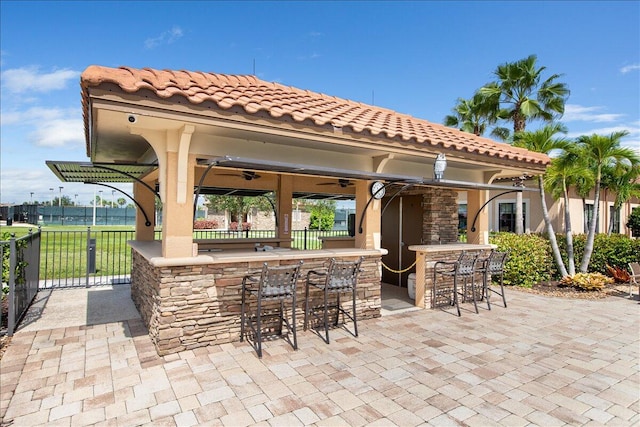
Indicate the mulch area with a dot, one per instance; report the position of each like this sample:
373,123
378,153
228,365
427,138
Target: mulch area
555,289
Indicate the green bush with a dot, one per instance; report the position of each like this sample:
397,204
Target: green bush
616,250
530,260
634,222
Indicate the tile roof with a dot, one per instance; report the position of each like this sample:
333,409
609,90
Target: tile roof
255,96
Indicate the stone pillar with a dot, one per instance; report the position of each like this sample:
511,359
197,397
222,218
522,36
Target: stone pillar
440,216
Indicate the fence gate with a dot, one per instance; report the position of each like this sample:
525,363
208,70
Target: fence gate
19,272
85,258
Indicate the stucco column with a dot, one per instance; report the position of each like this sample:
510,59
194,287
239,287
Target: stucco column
146,199
369,238
475,200
284,209
177,217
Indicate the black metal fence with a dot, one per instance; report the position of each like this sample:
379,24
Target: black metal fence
102,257
85,258
20,274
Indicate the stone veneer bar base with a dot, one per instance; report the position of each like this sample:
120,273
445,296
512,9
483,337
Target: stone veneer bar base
190,306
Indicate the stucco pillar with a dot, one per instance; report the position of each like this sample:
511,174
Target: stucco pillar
284,209
475,200
369,238
177,218
146,199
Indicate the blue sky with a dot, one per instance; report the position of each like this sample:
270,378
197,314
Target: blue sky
416,58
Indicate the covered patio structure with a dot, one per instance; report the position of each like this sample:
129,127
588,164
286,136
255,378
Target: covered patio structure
177,134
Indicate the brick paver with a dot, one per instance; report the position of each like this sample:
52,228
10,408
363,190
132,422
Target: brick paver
542,361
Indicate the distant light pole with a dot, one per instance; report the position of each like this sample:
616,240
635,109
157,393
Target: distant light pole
60,200
112,202
31,198
75,200
51,206
100,191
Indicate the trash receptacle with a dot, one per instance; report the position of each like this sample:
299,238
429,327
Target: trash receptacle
91,256
411,285
9,221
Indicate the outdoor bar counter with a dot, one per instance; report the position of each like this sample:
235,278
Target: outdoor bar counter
193,302
427,256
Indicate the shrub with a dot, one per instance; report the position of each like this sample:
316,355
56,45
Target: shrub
205,224
587,281
530,259
634,222
616,250
234,226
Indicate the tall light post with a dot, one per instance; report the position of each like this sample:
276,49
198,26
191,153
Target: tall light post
31,198
60,200
112,201
100,191
51,206
75,200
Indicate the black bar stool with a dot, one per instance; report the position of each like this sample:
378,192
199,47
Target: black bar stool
276,284
461,271
340,277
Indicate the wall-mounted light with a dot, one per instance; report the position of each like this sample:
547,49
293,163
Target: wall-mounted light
439,166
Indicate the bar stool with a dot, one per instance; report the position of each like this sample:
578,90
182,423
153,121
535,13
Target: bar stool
339,277
462,270
275,284
492,266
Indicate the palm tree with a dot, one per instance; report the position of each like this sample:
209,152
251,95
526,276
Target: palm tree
522,96
622,181
544,141
566,171
601,151
474,115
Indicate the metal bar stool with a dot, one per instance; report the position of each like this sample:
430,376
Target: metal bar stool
339,277
490,267
275,284
462,270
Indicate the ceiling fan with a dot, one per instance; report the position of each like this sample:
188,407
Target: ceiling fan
342,182
247,175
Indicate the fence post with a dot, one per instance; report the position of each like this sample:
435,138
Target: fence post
88,256
11,321
305,238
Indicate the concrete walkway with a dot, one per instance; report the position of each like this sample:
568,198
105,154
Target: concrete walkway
85,359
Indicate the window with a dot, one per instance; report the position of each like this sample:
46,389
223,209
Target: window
462,217
614,218
507,216
588,215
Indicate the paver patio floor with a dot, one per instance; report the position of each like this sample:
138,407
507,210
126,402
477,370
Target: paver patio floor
541,361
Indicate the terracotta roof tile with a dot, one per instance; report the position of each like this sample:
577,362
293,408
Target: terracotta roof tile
255,96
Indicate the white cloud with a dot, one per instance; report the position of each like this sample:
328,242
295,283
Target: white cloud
51,127
30,79
628,68
58,133
575,113
167,37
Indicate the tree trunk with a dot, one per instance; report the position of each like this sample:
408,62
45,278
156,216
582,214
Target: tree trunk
550,232
519,214
588,247
568,231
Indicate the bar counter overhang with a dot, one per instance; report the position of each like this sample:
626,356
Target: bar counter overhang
192,302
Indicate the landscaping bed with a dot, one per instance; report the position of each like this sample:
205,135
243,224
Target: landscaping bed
556,289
